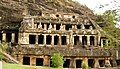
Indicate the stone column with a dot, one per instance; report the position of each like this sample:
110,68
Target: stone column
80,39
54,26
44,39
96,65
72,63
60,40
32,21
88,40
107,63
13,37
73,40
4,36
45,26
106,42
68,40
36,39
52,40
101,43
46,61
32,61
95,41
20,59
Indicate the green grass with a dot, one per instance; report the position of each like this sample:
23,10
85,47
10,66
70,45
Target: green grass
17,66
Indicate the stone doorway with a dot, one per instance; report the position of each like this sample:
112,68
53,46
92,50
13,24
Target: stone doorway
39,61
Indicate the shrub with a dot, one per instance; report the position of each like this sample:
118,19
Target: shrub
1,57
57,60
84,65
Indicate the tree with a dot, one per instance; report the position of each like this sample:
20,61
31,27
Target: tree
57,60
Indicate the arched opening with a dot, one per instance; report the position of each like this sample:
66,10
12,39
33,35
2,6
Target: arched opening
84,40
78,63
8,37
63,40
26,60
102,63
32,39
39,61
48,39
40,39
76,40
56,40
91,63
68,26
66,63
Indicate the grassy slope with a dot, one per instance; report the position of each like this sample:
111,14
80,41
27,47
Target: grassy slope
16,66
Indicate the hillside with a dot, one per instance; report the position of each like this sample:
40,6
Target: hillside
14,10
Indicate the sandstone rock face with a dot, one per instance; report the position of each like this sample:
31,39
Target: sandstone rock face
14,10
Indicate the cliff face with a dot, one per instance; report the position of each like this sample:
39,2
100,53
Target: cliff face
14,10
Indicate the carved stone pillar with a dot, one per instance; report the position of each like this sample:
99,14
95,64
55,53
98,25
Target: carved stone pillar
44,39
88,40
72,63
95,40
32,21
54,26
52,40
36,39
32,61
60,40
45,26
96,65
4,37
68,40
107,63
80,39
46,61
13,37
101,43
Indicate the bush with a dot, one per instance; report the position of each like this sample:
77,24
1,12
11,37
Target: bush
84,65
57,60
1,57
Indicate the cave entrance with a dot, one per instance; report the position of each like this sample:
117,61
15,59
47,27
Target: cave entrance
32,39
39,61
68,26
91,63
57,26
92,40
64,40
0,36
56,40
40,39
8,37
84,40
118,62
76,40
66,63
26,60
48,39
102,63
78,63
78,26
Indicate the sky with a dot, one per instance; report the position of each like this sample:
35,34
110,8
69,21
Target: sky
97,5
100,6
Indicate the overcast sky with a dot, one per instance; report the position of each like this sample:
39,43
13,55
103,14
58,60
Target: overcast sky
97,5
